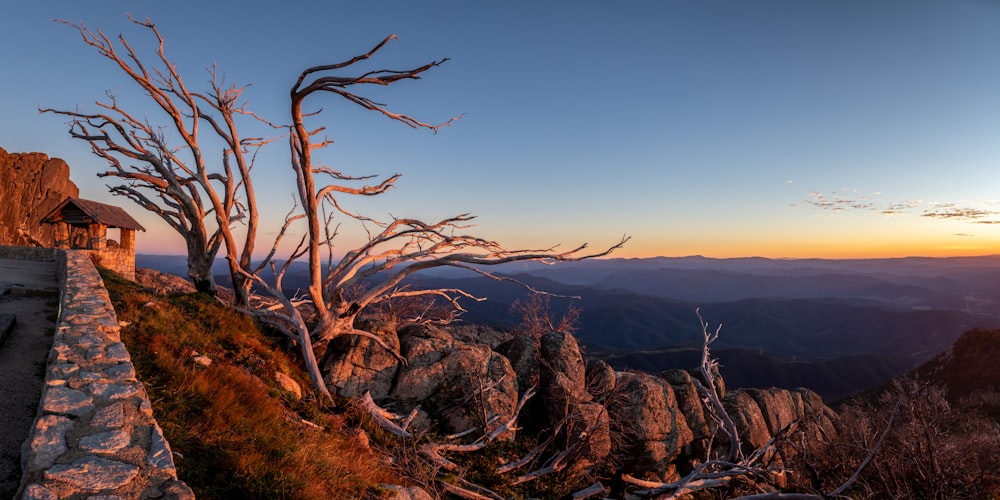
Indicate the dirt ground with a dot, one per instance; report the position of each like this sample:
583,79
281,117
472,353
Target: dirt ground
28,290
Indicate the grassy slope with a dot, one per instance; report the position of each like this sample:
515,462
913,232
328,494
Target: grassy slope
234,433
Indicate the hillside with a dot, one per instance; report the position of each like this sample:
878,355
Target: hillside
939,427
969,366
236,430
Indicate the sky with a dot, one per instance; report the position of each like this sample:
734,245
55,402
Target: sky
783,129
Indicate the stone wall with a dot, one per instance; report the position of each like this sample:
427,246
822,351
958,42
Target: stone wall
118,259
94,435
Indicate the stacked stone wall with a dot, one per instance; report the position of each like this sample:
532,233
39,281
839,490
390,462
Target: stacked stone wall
94,435
118,259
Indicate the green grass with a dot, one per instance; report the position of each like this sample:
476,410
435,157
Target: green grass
234,432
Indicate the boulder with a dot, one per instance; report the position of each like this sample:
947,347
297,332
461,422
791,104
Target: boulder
777,406
522,352
33,184
590,420
749,421
288,384
562,374
408,492
462,385
553,365
819,420
354,364
689,402
649,420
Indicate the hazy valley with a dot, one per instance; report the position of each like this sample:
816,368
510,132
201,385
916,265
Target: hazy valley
834,326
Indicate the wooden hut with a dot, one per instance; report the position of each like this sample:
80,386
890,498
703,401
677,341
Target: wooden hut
91,220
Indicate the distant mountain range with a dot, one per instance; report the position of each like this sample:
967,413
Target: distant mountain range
835,326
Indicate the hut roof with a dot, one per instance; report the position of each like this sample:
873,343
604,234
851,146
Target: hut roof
98,212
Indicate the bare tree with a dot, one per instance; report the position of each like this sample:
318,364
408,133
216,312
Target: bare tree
199,198
202,200
394,250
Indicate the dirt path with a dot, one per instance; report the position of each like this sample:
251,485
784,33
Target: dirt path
28,290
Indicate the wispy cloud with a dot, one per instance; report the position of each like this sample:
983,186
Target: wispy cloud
975,213
956,212
838,202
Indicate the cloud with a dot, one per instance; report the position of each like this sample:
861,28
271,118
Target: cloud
964,235
838,202
951,211
976,213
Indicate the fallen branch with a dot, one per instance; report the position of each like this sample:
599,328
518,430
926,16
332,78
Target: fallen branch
384,418
464,493
590,491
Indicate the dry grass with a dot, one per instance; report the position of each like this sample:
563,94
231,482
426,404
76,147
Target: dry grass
236,435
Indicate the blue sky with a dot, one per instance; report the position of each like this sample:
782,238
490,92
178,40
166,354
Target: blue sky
721,128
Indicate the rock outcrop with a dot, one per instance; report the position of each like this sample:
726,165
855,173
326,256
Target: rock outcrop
33,184
651,425
651,422
354,364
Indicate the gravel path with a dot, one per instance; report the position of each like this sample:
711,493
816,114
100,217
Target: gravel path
28,290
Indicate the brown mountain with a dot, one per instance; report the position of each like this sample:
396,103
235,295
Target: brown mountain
33,184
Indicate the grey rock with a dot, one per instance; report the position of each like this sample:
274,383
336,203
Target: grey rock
748,419
116,352
646,411
114,391
777,407
408,492
523,353
591,419
176,490
93,473
463,383
160,455
46,442
354,364
105,442
66,401
562,374
111,416
288,384
122,372
37,492
690,404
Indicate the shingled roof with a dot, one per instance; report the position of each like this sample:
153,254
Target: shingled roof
98,212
